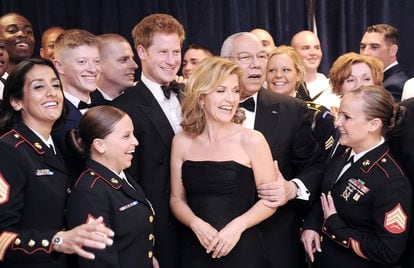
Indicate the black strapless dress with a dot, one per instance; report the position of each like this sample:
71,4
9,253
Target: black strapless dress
218,192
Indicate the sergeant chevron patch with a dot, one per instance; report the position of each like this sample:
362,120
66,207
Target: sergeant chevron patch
4,190
396,220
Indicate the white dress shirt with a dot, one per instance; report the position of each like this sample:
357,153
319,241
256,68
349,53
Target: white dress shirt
171,107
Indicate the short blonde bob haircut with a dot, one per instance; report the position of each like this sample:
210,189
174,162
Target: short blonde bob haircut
205,79
297,62
342,69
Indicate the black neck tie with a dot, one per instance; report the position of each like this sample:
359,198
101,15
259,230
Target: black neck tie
84,105
3,80
173,86
248,104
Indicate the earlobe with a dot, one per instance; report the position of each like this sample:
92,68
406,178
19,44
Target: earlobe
141,52
375,124
394,50
59,66
16,104
99,145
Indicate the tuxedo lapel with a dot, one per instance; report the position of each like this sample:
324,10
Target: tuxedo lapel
267,115
149,105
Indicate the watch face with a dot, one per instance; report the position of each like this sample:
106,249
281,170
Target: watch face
57,241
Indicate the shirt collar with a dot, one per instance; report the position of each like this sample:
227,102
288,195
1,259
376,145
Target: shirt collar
357,156
390,66
74,100
155,88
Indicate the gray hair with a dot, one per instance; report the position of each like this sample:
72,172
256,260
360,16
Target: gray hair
228,44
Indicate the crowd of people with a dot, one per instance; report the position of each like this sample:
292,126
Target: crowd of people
250,158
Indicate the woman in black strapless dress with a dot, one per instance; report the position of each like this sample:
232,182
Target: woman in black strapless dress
215,167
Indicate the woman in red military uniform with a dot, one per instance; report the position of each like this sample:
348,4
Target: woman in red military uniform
33,179
362,218
106,138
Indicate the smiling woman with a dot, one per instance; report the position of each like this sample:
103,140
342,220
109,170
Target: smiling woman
33,178
106,138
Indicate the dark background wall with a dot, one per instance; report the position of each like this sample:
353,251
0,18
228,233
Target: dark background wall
340,23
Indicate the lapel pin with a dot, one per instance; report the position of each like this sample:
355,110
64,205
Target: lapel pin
114,181
38,146
366,163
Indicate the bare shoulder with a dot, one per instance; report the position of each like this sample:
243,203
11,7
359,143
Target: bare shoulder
182,138
251,137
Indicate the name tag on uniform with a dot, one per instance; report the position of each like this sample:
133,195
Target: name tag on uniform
44,172
123,208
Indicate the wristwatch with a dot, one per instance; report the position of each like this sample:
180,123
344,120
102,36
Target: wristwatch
56,242
298,192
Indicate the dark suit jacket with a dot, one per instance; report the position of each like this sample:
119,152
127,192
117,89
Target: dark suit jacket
285,122
402,147
394,80
151,165
33,185
74,163
100,192
373,200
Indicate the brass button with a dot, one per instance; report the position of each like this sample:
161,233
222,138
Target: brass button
17,242
150,254
92,173
324,228
114,181
333,236
45,243
321,238
344,242
31,243
150,237
366,163
151,218
384,160
16,136
38,146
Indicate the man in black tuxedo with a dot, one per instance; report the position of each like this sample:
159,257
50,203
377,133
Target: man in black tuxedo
76,57
381,41
285,122
156,113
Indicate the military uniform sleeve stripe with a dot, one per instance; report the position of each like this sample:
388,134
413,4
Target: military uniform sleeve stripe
6,238
357,248
4,190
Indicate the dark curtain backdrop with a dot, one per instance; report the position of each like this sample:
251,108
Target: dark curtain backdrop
206,22
340,22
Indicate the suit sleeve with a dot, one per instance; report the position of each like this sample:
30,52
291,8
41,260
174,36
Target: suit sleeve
86,205
307,158
390,214
15,243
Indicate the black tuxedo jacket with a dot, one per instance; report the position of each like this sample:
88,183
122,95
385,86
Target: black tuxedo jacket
394,80
286,124
151,165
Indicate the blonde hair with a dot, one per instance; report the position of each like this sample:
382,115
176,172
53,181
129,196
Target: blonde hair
206,77
74,38
144,31
342,69
297,62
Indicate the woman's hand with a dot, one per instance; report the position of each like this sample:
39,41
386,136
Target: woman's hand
155,263
328,205
204,232
92,235
311,242
226,239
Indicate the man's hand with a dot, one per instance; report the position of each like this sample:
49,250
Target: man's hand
277,193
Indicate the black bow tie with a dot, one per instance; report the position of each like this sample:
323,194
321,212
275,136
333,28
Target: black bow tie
248,104
84,105
173,86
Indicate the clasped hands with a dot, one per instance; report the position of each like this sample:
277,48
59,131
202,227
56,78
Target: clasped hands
219,243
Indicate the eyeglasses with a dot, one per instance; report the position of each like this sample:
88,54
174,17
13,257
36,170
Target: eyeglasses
247,58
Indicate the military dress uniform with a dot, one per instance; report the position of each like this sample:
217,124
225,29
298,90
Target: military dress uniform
100,192
373,203
33,185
